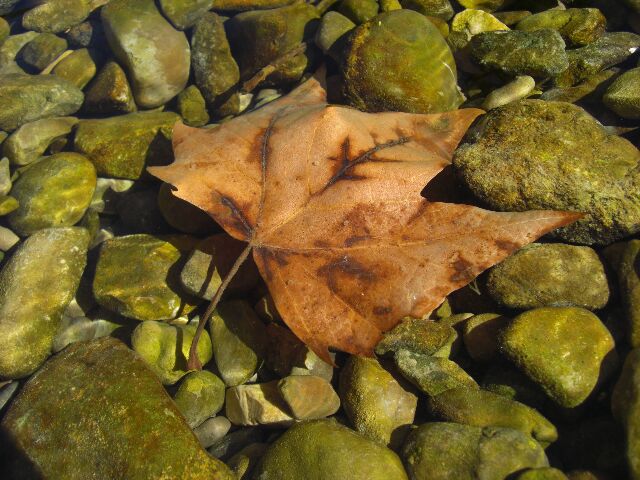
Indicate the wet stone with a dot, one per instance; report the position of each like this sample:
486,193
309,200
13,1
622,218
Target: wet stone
629,285
10,48
56,15
257,404
244,462
31,140
81,329
480,335
468,23
212,430
79,67
622,95
308,397
184,13
109,93
40,52
192,107
625,404
519,88
200,396
331,33
182,215
545,473
419,336
578,26
358,11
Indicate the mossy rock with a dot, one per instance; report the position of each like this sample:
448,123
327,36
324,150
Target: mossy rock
578,26
109,92
200,396
622,95
185,13
30,141
625,404
331,36
419,336
79,67
40,52
56,16
626,267
358,11
192,107
440,9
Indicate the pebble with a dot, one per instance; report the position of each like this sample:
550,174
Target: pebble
212,430
519,88
308,397
578,26
625,404
257,404
200,396
109,92
79,67
622,95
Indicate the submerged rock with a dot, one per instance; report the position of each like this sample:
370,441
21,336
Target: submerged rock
578,26
109,93
200,396
56,15
623,95
31,140
185,13
625,404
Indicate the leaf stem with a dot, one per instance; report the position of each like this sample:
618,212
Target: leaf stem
194,363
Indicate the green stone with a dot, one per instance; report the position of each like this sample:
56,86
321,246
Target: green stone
237,335
486,5
257,404
308,397
25,98
625,405
375,402
97,411
623,95
244,5
332,32
629,285
123,146
468,23
325,449
31,140
440,9
78,67
136,277
510,18
192,107
444,451
244,462
165,348
155,55
538,155
54,192
200,396
506,380
8,204
538,54
56,15
519,88
31,304
480,335
10,48
415,335
185,13
5,176
544,473
81,329
578,26
564,349
588,90
5,29
109,93
41,51
358,11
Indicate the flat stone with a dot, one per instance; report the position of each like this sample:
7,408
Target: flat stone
79,67
30,141
622,95
257,404
56,15
200,396
625,405
192,107
308,397
40,52
185,13
578,26
109,93
424,337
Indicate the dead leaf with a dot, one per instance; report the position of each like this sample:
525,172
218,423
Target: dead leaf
329,199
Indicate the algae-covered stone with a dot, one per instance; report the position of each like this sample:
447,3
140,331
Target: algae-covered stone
244,5
326,449
30,141
185,13
8,204
183,215
41,51
480,335
25,98
165,348
109,92
10,48
97,411
244,462
308,397
123,146
88,34
443,451
623,95
578,26
155,55
54,192
331,33
81,329
538,54
377,405
192,107
257,404
5,29
440,9
471,22
551,274
538,155
136,276
400,61
563,349
629,284
56,15
31,304
625,404
238,341
416,335
506,380
544,473
212,430
79,67
519,88
200,396
358,11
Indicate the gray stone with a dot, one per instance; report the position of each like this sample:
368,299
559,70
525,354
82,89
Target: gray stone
41,51
212,430
30,141
185,13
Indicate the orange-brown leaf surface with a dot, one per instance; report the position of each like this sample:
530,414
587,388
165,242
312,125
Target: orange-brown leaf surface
329,198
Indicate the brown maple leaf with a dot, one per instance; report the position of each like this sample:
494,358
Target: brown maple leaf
328,198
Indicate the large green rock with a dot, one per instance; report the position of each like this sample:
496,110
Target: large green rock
444,451
155,55
31,140
324,449
537,155
124,145
109,93
566,350
36,285
578,26
400,61
550,275
25,98
625,404
54,192
97,411
56,15
623,95
184,13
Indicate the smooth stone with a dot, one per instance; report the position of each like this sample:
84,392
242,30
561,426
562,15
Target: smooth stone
244,5
7,389
257,404
480,335
625,405
622,95
443,451
81,329
235,441
519,88
124,145
331,34
358,11
308,397
509,17
31,304
115,426
88,34
587,90
8,239
165,348
537,54
554,156
56,15
376,404
10,48
109,92
41,51
400,61
566,350
79,68
212,430
8,204
440,9
25,98
578,26
53,192
185,13
244,462
326,449
5,176
419,336
507,380
136,277
32,139
183,215
629,285
155,55
550,275
107,193
5,30
238,339
468,23
199,396
192,107
544,473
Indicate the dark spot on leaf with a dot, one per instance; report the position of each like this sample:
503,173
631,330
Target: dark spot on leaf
381,310
507,246
355,239
463,271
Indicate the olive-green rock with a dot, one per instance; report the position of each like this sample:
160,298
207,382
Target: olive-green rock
506,380
471,22
155,55
54,192
510,17
81,329
550,274
109,92
79,67
123,146
564,349
212,430
25,98
257,404
480,335
323,449
10,48
165,347
589,90
183,215
5,29
400,61
517,89
244,462
136,277
8,204
238,339
358,11
40,52
625,404
331,33
622,95
97,411
432,375
443,451
441,9
192,107
244,5
375,402
36,285
544,473
200,396
308,397
184,13
30,141
538,155
56,15
424,337
578,26
629,285
486,5
538,54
